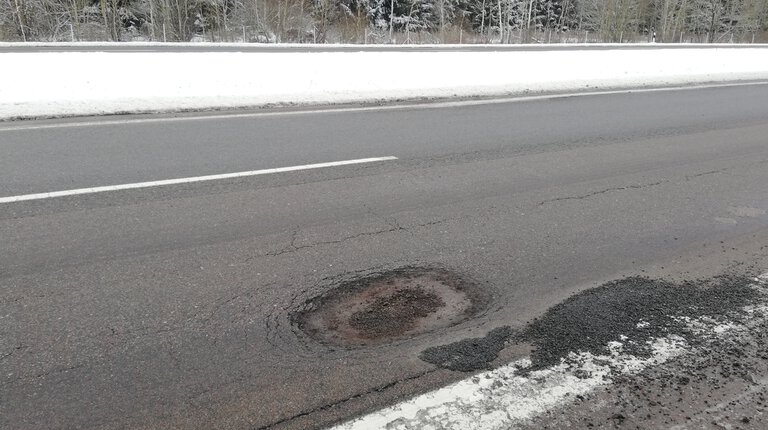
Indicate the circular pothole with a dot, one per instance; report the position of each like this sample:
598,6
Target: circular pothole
387,306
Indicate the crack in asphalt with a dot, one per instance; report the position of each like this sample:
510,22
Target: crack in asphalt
325,407
723,171
294,248
394,226
711,172
15,349
216,308
607,190
136,334
54,371
58,370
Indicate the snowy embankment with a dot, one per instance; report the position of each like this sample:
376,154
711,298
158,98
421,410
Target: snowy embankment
44,84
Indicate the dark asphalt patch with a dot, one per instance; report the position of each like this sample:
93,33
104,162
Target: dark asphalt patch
388,306
721,384
634,310
469,354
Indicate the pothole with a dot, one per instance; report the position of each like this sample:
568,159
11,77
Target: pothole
388,306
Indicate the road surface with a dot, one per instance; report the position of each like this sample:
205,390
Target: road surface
170,306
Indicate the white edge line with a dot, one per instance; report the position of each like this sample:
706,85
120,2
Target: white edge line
92,190
411,106
503,399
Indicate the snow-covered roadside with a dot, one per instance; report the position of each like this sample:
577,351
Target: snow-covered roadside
501,399
44,84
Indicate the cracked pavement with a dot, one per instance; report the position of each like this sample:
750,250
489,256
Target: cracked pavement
170,307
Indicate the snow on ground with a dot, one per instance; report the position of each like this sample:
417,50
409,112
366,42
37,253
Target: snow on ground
39,84
501,398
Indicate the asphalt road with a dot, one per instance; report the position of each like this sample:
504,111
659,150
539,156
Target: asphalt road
169,307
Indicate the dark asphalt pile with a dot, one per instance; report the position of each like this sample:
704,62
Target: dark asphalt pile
588,321
721,384
633,310
396,313
469,354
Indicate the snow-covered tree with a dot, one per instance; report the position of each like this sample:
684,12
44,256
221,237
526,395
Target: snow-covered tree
504,21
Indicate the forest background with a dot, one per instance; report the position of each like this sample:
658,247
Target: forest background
387,21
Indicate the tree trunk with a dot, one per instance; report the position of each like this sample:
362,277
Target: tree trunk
20,19
75,20
482,20
501,24
442,21
528,25
391,21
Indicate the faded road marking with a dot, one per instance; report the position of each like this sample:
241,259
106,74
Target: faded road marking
746,211
92,190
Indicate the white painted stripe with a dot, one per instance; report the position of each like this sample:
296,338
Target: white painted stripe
502,399
409,106
150,184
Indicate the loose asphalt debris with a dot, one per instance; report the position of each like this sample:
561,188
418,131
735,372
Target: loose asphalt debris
469,354
632,310
721,383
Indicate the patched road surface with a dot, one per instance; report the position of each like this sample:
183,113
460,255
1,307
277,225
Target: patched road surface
583,262
634,352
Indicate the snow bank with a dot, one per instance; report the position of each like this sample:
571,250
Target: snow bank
34,84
